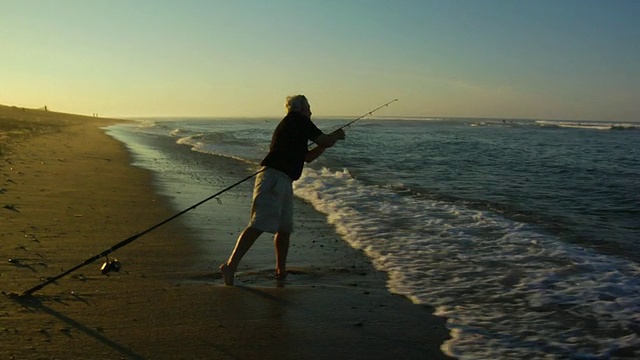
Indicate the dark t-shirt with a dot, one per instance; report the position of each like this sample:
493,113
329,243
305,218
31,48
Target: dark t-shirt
289,144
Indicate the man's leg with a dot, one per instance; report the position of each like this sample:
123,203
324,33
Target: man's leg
281,241
244,243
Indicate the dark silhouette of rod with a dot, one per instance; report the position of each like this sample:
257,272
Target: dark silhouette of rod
131,238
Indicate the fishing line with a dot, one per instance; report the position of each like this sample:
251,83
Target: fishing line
112,264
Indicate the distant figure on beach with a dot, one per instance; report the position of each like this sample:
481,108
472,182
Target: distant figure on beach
272,207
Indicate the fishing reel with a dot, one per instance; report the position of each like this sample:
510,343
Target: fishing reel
110,264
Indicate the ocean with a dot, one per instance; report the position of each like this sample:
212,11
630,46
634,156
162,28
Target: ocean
524,234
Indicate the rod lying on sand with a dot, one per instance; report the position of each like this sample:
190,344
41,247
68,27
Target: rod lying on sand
114,265
129,240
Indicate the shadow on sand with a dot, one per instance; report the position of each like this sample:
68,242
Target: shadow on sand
36,304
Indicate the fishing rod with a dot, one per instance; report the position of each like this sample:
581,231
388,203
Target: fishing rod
112,264
360,118
367,114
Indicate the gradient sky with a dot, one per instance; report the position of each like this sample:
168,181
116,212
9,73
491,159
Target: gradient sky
541,59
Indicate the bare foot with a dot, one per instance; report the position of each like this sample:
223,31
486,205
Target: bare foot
227,274
281,276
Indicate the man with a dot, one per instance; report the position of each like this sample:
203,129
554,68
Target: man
272,208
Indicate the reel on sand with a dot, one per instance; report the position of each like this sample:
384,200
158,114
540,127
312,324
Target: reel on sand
110,264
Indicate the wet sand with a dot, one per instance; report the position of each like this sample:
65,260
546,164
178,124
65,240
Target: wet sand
68,192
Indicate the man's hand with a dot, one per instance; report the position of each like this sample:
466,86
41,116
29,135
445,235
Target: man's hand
328,140
339,134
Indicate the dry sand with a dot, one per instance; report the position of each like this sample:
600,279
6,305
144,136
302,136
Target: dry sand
67,192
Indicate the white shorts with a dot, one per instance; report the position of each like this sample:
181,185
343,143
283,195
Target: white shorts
272,208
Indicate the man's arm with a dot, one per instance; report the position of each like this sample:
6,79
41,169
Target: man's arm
324,141
314,153
328,140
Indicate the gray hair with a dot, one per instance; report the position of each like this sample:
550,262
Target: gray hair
295,103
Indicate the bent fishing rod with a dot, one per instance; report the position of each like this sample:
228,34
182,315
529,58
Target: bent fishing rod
113,264
361,117
367,114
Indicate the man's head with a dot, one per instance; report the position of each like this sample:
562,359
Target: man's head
299,104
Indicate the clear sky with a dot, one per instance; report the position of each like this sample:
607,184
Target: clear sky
542,59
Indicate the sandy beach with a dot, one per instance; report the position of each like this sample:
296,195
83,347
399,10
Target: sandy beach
68,192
